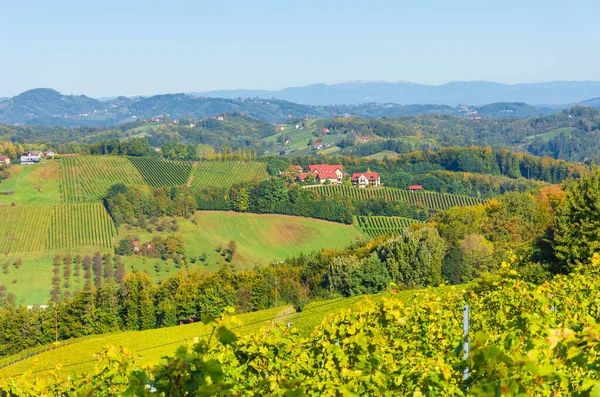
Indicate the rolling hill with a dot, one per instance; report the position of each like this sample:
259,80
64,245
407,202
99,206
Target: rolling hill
44,106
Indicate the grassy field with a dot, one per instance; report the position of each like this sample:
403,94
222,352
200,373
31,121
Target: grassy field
32,184
552,134
226,173
260,238
87,178
31,283
383,154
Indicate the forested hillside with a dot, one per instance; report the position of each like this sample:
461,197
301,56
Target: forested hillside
571,135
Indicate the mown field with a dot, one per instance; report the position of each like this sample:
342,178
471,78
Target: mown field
383,154
431,200
32,184
226,173
375,226
87,178
260,238
151,345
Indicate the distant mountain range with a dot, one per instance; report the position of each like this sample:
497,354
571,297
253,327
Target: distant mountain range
553,93
44,106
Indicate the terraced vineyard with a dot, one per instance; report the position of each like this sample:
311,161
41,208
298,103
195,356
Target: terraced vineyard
226,173
87,178
55,228
432,200
376,226
24,228
161,173
80,225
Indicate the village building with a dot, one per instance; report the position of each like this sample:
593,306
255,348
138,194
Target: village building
326,172
415,188
317,145
366,179
33,157
49,154
5,159
325,130
220,117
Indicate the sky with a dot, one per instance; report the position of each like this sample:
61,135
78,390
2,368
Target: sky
140,47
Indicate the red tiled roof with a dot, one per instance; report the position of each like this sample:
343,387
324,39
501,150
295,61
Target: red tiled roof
136,243
319,168
298,167
302,176
371,176
415,187
3,157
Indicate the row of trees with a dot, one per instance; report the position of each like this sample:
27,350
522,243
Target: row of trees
109,303
138,206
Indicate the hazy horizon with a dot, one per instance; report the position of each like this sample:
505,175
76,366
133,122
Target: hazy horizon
282,88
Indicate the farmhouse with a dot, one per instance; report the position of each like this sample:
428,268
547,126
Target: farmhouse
220,117
365,179
325,172
415,188
33,157
49,154
317,145
325,130
5,159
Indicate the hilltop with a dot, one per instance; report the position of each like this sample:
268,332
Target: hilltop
44,106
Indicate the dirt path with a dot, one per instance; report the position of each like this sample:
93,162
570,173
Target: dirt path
190,181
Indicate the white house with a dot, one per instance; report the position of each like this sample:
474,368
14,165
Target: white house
49,154
33,157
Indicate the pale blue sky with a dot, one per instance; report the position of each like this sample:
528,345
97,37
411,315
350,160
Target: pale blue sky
127,47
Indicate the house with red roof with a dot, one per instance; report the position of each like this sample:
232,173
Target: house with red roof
326,172
317,145
415,188
5,159
366,179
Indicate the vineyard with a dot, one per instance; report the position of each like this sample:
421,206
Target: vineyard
80,225
431,200
161,173
375,226
226,173
87,178
55,227
524,340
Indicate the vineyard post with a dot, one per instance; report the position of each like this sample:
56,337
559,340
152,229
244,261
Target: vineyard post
466,310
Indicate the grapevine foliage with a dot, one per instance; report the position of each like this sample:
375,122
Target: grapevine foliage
525,340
